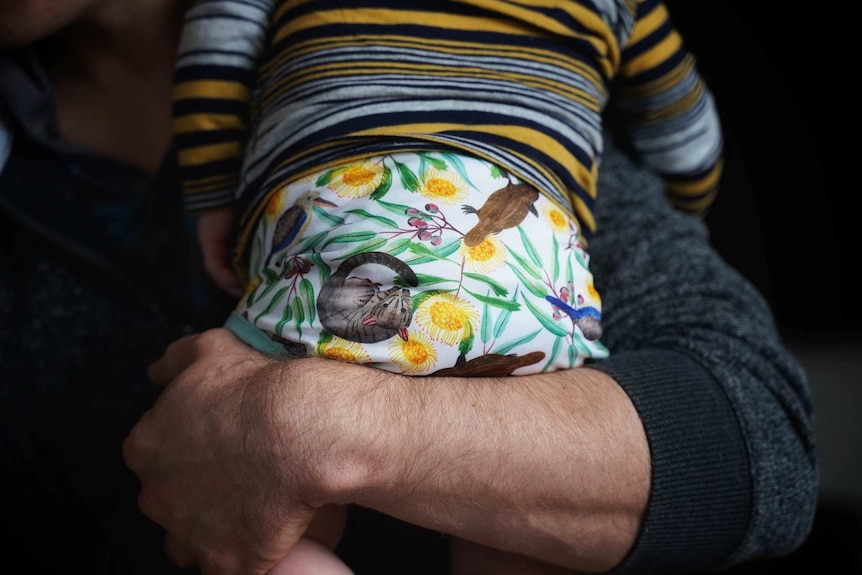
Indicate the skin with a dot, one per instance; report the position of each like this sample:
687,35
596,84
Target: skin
113,78
240,452
25,21
265,444
216,230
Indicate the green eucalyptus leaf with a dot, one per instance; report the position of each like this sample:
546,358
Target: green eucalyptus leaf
324,179
536,289
398,209
298,312
322,267
436,162
485,334
279,295
322,213
370,246
499,289
526,265
531,249
311,242
555,351
544,319
351,237
501,323
398,247
379,219
496,302
509,346
286,316
384,186
408,178
307,291
467,341
555,271
427,280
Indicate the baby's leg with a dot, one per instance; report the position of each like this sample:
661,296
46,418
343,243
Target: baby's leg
308,557
313,553
473,559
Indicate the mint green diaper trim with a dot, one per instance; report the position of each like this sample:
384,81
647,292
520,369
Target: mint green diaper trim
255,337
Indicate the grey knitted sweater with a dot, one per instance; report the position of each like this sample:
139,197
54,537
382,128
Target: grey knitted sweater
726,408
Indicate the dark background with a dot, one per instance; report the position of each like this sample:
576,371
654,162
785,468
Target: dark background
786,216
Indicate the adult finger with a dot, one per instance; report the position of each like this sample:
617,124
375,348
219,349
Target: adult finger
178,356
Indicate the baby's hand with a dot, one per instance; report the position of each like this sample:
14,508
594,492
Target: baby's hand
215,235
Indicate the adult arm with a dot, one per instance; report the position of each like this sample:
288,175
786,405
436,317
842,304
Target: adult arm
689,448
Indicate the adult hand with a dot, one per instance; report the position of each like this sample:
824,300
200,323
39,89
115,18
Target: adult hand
231,486
240,451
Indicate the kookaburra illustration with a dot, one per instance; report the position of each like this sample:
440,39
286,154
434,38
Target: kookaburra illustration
293,223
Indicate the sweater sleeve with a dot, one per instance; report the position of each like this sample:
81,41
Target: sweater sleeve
216,70
668,110
726,408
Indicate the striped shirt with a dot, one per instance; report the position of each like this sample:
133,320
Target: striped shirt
268,91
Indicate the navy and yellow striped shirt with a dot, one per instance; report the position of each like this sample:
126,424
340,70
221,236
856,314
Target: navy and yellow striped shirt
271,90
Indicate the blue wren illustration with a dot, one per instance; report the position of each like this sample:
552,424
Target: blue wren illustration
587,318
293,223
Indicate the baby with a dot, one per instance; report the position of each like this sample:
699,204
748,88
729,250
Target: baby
412,182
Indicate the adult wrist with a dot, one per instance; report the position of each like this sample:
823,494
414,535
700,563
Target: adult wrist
332,412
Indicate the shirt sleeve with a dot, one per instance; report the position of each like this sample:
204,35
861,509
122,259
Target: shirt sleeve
725,406
668,110
216,73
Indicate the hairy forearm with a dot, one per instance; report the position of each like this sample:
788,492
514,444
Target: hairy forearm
553,466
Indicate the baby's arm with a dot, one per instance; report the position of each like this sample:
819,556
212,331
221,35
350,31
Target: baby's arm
216,70
668,111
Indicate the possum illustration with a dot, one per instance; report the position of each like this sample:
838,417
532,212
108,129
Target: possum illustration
356,309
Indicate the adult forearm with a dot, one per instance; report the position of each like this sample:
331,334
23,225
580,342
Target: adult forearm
553,466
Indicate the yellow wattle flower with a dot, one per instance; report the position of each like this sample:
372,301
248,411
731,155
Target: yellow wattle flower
446,188
446,318
344,350
357,180
486,257
556,218
415,355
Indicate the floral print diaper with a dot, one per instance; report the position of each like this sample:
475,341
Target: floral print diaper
422,263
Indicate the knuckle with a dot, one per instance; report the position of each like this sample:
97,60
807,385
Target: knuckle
129,450
210,339
147,504
218,563
180,555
